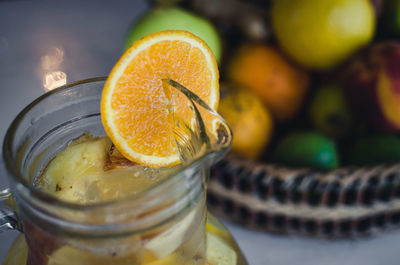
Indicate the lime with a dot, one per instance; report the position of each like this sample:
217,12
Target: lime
330,112
306,149
173,18
322,34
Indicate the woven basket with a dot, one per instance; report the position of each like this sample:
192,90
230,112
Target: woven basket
347,202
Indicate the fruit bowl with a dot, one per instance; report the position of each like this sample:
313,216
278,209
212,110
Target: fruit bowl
317,83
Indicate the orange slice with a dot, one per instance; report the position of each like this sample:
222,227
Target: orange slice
134,106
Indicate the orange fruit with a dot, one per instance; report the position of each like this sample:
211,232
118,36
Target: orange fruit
262,69
134,105
250,120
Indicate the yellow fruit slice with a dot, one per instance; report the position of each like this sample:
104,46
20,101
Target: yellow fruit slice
134,106
218,252
170,240
173,259
222,233
18,253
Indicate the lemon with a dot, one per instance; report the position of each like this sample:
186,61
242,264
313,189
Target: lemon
321,34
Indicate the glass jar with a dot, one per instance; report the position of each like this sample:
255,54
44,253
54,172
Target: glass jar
165,224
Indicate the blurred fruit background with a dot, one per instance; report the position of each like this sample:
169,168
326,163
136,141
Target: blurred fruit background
303,83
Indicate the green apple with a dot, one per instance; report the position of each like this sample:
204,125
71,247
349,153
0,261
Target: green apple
330,112
174,18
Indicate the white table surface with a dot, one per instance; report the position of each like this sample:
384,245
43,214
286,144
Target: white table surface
91,35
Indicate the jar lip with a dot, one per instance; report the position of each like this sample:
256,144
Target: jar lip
46,198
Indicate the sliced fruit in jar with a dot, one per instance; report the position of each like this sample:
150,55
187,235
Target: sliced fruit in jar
91,170
66,175
218,231
134,105
218,252
171,239
173,259
18,253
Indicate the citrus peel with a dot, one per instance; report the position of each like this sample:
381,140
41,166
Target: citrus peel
134,107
